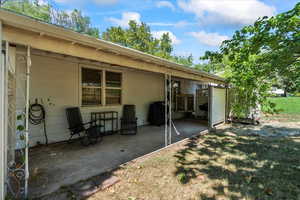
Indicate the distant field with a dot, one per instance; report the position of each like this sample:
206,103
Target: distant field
287,105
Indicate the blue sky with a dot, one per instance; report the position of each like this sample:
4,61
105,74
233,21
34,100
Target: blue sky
195,26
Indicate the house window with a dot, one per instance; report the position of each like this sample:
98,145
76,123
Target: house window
91,86
100,87
113,88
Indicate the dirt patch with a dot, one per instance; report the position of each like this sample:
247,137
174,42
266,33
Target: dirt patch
268,128
282,118
227,164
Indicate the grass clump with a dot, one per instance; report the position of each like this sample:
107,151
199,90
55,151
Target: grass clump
182,177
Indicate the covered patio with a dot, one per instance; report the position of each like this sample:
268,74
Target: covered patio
62,164
59,69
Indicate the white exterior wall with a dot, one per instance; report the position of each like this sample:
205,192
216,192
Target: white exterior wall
218,105
55,83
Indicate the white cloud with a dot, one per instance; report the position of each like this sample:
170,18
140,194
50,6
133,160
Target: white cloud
42,2
99,2
166,4
159,34
210,39
236,12
178,24
126,17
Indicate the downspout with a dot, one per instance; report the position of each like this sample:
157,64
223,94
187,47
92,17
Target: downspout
28,65
210,93
2,129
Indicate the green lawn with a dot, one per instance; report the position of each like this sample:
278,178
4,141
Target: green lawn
287,105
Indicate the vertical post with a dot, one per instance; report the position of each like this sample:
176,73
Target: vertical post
2,115
226,104
28,65
210,108
166,110
170,110
103,88
5,68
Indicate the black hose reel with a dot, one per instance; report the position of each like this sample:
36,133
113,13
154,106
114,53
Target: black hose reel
37,116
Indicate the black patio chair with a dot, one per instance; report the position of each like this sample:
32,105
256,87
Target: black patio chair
91,134
129,120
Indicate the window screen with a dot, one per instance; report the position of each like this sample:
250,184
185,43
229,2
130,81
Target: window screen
91,86
113,88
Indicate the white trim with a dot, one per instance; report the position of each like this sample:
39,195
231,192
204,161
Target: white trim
5,67
113,88
2,148
27,121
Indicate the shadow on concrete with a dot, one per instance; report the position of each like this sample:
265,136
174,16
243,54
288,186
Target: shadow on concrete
57,165
84,188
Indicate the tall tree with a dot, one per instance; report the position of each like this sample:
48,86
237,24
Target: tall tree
116,35
45,12
260,55
137,36
184,60
165,47
75,21
29,8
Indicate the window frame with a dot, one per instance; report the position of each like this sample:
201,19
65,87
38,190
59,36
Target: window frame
103,86
113,88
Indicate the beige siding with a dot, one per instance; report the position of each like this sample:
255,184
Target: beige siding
55,83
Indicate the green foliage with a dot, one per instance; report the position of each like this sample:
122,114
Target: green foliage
182,177
30,8
20,128
138,36
297,94
184,60
45,12
259,56
75,21
165,47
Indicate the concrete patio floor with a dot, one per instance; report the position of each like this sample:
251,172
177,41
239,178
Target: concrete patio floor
62,164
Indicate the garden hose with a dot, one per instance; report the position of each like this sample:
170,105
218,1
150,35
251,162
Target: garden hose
37,116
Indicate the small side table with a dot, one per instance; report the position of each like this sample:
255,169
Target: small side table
102,118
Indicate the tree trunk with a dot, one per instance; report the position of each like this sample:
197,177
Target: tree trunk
285,92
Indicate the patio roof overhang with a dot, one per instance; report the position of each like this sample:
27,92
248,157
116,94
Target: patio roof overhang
27,31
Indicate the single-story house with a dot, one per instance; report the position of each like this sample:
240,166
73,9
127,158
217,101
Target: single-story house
60,68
